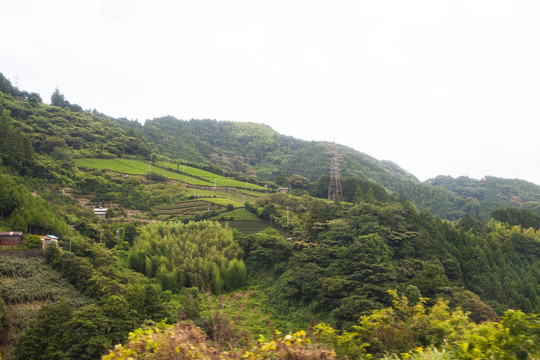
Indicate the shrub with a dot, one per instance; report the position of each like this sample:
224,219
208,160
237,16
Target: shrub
154,176
407,329
32,242
186,341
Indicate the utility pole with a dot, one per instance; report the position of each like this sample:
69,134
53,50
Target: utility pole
70,232
149,168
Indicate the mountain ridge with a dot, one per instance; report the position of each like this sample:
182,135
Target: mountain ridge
66,131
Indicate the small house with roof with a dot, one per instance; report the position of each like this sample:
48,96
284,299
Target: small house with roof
11,238
100,212
47,239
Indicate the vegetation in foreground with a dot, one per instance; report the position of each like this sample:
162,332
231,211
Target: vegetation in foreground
402,331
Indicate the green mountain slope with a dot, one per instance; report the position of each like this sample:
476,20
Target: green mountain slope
256,148
492,193
249,146
63,132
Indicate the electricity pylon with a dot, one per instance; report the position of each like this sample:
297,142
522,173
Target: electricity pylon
335,192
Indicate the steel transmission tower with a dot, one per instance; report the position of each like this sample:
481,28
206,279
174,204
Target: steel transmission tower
334,188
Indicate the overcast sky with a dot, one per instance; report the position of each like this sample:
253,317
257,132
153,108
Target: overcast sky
439,87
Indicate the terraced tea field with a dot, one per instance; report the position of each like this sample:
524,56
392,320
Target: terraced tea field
186,208
189,175
200,188
137,167
243,221
210,177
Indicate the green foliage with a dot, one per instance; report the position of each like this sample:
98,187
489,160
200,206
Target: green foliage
235,276
217,177
402,331
3,312
344,257
154,176
7,88
355,189
16,150
202,255
491,193
83,133
121,300
36,343
246,147
32,242
128,192
265,249
406,329
28,213
27,285
514,216
11,195
36,216
60,332
281,179
27,280
245,222
184,341
298,182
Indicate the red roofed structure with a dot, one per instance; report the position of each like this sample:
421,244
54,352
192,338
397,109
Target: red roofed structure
11,238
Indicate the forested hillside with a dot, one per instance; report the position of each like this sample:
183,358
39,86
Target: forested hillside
493,193
64,132
217,264
257,149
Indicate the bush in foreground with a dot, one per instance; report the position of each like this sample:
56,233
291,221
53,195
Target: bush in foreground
186,341
402,331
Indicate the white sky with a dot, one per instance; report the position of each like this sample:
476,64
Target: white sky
439,87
